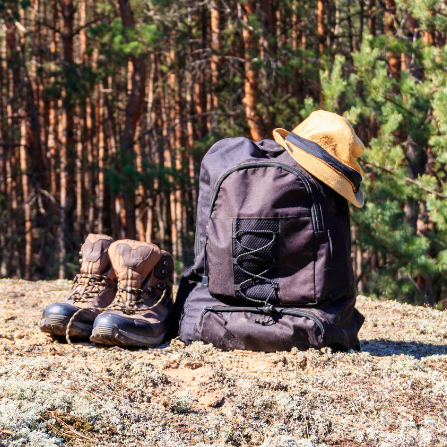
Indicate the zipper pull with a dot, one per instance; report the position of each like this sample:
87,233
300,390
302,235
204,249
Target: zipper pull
205,281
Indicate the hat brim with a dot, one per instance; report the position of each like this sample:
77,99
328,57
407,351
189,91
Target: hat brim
321,170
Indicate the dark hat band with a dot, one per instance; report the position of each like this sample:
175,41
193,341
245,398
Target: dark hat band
316,150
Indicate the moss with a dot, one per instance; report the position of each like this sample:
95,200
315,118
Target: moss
181,402
309,398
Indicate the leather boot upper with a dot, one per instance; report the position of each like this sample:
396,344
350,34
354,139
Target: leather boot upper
95,286
144,286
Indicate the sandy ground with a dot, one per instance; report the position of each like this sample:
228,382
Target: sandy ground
393,393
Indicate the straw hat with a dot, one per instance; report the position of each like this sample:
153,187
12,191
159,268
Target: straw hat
326,145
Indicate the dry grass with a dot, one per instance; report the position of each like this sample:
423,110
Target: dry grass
393,393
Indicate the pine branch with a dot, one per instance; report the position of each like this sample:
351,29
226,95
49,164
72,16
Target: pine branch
369,233
392,101
408,180
86,25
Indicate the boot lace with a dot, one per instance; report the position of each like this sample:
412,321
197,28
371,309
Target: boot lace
126,299
87,286
131,305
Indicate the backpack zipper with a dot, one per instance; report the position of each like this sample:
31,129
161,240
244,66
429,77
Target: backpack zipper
260,310
317,223
197,236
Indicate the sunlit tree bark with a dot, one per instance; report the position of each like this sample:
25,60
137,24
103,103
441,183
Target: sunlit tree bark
251,73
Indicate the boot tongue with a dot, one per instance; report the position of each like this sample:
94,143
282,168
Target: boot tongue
133,261
95,259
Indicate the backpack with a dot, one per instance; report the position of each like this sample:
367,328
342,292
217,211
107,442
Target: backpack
272,267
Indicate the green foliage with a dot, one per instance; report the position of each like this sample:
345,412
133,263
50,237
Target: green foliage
333,84
410,115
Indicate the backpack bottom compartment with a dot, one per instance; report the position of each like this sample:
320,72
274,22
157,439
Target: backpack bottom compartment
229,325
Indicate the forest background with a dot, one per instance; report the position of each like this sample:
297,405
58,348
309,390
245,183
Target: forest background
107,108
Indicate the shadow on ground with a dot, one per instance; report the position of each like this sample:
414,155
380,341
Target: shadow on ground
383,348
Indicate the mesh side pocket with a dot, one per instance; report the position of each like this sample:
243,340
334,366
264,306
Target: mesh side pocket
255,259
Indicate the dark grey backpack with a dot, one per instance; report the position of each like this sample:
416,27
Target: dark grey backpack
272,266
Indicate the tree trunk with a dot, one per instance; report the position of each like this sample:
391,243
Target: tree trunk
13,61
215,51
321,29
393,59
361,18
200,84
372,17
430,34
101,166
251,74
81,137
68,13
133,109
27,205
296,38
63,232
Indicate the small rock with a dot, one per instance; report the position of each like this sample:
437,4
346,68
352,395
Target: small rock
192,365
212,400
171,364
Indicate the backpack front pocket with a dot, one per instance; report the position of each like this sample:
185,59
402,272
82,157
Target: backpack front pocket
255,247
229,327
268,260
262,243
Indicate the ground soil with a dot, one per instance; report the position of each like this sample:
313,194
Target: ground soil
392,393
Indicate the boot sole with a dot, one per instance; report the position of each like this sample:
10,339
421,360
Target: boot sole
57,325
112,336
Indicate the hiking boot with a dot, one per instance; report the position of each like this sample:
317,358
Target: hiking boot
94,287
140,313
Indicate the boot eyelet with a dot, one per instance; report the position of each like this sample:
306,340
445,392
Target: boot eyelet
163,271
164,263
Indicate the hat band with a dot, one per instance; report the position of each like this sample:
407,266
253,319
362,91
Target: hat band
316,150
